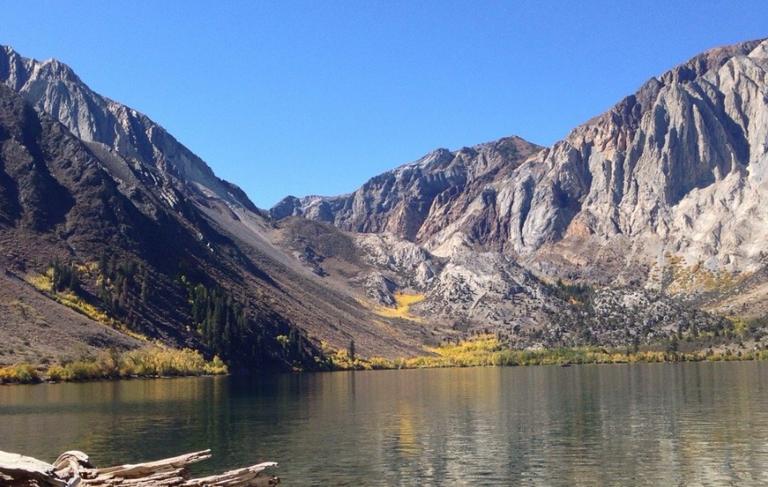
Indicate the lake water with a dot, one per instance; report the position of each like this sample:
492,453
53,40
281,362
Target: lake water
649,424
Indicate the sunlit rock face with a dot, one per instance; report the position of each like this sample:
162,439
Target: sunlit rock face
668,183
676,168
419,199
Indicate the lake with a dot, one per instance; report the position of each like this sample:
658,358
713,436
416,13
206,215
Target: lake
648,424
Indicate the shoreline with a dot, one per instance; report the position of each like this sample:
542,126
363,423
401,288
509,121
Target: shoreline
154,362
487,350
564,357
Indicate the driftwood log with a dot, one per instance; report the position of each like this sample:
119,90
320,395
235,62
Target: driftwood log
73,468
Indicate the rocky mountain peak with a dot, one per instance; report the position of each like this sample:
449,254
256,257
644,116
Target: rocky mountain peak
711,59
647,169
416,199
144,146
676,167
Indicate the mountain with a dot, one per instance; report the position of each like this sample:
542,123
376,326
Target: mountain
138,198
418,199
53,88
62,211
672,171
643,225
662,193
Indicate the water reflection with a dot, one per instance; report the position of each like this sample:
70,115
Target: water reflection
655,424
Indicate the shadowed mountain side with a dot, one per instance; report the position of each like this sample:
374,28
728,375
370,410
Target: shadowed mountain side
647,213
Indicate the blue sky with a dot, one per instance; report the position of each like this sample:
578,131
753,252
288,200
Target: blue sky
290,97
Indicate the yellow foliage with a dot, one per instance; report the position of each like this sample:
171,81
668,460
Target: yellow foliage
403,303
44,283
487,350
739,325
163,362
340,359
155,361
698,278
89,268
19,373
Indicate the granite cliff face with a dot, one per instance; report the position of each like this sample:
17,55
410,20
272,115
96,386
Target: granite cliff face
419,199
674,169
663,194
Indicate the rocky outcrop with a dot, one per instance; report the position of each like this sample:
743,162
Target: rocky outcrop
677,167
146,149
472,291
674,169
418,199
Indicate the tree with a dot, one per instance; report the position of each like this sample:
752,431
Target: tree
674,345
229,330
63,277
351,349
144,287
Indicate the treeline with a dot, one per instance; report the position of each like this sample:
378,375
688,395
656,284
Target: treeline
115,291
122,284
250,340
113,364
244,337
579,294
64,277
221,321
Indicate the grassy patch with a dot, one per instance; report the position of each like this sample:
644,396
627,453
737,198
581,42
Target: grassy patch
487,350
403,303
153,361
44,283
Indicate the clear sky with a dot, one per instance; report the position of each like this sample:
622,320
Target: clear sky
289,97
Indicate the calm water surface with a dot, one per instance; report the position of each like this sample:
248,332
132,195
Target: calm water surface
653,424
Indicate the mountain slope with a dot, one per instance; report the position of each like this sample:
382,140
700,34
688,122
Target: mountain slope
675,169
141,265
35,329
53,88
418,199
665,192
649,213
211,233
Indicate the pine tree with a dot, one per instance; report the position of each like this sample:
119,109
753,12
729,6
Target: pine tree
144,287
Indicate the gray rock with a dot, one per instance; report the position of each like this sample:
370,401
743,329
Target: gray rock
147,148
677,168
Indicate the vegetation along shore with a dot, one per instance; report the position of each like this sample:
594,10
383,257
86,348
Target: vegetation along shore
145,362
481,351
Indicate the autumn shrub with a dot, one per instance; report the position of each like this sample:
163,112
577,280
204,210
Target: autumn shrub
19,374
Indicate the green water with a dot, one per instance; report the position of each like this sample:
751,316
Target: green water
652,424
